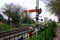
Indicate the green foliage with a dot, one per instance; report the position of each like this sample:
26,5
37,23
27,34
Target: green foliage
5,27
28,20
1,17
26,25
45,34
12,11
55,7
15,20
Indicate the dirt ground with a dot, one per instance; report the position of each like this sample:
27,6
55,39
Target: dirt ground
57,33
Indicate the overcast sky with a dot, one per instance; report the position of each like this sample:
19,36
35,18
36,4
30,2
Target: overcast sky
31,4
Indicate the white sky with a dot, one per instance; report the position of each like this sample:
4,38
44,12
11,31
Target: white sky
31,4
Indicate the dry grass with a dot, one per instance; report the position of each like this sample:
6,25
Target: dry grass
58,24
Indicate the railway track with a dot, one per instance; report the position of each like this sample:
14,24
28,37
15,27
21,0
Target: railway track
13,32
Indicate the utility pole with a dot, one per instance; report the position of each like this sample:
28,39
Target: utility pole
38,11
37,7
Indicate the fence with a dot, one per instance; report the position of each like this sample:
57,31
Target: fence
22,34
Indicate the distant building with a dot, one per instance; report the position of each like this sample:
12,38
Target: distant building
45,19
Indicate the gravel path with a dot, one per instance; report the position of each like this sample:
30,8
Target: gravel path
57,33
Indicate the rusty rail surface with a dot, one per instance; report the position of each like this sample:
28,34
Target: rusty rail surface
13,32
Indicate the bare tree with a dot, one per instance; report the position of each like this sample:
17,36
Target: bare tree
13,12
